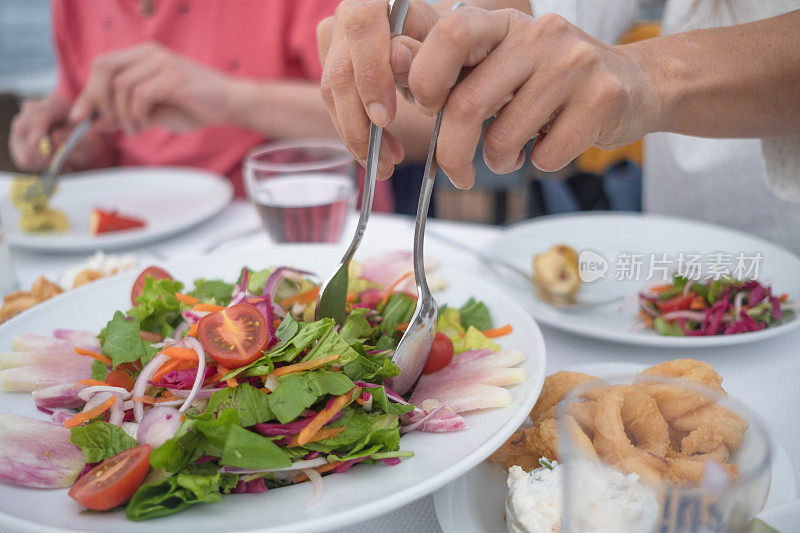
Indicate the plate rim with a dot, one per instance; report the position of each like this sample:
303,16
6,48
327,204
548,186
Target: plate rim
128,239
384,505
655,340
446,496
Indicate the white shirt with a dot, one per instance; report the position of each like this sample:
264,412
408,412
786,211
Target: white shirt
742,183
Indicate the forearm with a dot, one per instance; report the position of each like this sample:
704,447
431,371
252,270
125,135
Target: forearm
740,81
279,109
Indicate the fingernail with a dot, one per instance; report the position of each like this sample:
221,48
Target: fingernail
385,170
520,161
467,179
378,114
402,59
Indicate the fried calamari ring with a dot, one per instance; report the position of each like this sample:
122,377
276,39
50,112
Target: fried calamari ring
556,387
716,419
675,401
690,469
627,410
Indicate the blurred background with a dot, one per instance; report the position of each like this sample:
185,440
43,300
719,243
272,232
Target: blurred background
598,180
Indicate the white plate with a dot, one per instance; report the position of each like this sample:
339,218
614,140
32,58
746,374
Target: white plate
610,234
475,502
357,495
169,199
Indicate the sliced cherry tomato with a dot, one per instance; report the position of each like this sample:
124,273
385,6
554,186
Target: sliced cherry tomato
677,303
138,285
113,482
235,336
440,355
120,378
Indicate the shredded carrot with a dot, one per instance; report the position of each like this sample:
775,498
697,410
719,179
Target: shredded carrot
401,327
192,330
307,365
276,323
184,354
91,383
359,401
498,332
232,382
321,469
80,418
100,357
322,434
394,285
305,297
646,318
221,371
325,416
351,297
783,297
186,299
144,399
660,288
697,303
211,308
166,398
265,389
168,367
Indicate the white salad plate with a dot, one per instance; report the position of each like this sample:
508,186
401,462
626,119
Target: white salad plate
359,494
475,502
613,240
168,199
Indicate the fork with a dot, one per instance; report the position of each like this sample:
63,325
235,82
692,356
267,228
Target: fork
412,351
332,299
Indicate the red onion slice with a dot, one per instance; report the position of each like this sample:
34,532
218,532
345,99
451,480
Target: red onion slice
141,383
158,426
117,413
88,392
316,481
195,345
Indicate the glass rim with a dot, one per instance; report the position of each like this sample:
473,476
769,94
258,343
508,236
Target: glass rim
344,158
753,419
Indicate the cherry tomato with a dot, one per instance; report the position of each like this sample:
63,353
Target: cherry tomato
440,355
678,303
138,285
113,481
235,336
120,378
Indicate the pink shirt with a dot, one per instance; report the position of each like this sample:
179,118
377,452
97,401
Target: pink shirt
261,39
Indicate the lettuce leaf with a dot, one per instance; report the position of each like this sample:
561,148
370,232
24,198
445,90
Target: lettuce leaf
214,291
100,440
252,404
474,340
475,313
158,309
121,341
300,391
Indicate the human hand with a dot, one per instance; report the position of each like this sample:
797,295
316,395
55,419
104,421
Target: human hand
534,75
148,85
358,82
38,122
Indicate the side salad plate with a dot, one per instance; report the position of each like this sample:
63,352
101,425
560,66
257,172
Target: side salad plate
167,200
630,260
306,432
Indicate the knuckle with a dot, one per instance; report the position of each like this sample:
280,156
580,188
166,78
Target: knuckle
454,29
359,19
497,142
465,102
610,92
582,55
553,24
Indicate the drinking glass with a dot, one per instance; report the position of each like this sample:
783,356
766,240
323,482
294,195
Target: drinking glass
619,484
8,280
303,189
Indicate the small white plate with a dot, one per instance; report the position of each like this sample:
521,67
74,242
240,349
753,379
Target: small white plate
356,495
169,199
475,502
612,234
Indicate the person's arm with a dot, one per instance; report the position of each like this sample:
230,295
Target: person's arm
739,81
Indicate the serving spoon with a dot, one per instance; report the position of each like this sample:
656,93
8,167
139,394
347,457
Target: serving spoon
332,299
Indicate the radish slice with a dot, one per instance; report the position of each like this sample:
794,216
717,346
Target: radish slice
53,356
36,453
58,396
84,339
33,377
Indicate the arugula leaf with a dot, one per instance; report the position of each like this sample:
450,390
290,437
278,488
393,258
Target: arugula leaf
121,341
300,391
399,309
213,291
99,370
475,313
238,446
158,309
100,440
373,431
356,326
197,484
252,404
307,333
380,400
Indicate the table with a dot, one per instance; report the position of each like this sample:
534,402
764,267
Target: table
765,376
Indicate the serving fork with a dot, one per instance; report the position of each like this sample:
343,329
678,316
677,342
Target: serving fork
332,299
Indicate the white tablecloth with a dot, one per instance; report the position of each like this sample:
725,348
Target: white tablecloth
765,375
